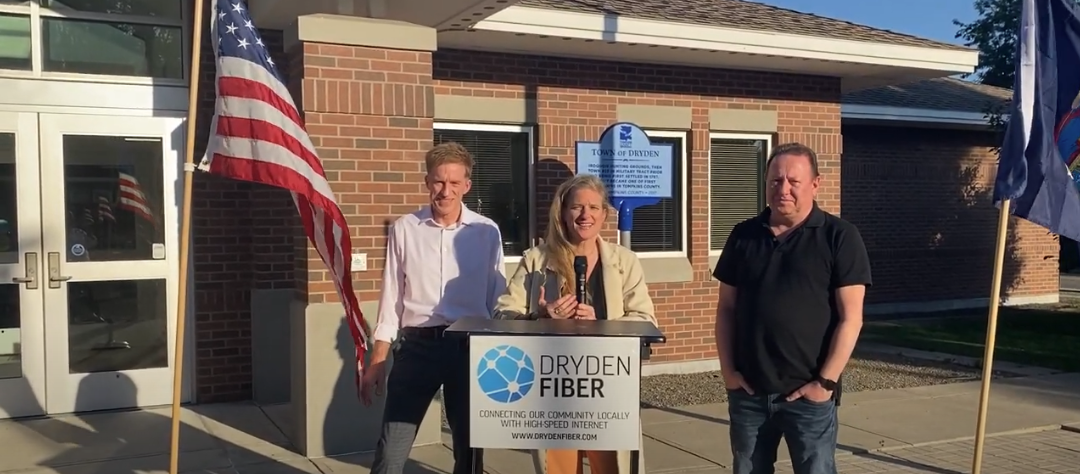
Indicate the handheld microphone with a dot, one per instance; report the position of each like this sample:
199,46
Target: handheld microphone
581,264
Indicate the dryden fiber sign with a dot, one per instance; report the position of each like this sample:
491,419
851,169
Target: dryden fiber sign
555,392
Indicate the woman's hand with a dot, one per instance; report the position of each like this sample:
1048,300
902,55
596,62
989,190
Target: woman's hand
561,308
584,311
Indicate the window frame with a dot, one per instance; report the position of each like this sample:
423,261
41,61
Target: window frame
530,131
683,195
767,138
36,13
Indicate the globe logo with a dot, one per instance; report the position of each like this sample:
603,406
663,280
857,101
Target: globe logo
505,374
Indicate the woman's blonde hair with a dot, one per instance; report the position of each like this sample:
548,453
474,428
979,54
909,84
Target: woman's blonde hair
560,252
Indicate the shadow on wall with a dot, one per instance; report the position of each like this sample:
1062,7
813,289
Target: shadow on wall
344,414
922,199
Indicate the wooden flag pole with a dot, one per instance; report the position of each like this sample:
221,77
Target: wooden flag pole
991,336
185,235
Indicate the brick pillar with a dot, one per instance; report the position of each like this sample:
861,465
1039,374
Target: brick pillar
221,266
242,250
365,89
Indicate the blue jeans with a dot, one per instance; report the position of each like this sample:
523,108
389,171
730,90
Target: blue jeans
759,421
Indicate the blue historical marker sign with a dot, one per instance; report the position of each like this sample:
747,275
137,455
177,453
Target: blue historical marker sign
636,172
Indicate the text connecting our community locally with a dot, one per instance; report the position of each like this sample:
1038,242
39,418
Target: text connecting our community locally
556,414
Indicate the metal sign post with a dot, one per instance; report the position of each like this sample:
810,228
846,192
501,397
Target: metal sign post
636,172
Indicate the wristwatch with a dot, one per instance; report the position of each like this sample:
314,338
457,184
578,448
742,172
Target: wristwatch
826,384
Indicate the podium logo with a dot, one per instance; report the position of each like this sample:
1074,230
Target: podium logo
505,374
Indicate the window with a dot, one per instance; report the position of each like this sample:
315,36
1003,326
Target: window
501,177
16,43
129,38
661,227
736,182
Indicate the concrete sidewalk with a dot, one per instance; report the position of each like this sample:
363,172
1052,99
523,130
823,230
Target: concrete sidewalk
889,421
912,430
884,428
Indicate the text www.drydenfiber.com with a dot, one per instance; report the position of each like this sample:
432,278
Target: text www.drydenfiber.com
555,436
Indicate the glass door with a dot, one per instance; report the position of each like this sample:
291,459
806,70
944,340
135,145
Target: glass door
22,338
109,219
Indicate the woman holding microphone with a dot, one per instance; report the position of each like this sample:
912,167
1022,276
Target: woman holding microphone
543,287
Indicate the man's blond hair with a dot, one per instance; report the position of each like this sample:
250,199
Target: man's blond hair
449,152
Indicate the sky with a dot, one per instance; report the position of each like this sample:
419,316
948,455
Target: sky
931,19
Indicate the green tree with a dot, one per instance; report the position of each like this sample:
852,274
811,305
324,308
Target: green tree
994,34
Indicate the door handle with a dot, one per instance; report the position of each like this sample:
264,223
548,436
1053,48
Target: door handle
54,271
31,278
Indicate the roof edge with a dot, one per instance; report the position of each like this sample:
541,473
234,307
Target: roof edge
566,24
885,113
756,8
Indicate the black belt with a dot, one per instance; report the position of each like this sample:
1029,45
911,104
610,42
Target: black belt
430,332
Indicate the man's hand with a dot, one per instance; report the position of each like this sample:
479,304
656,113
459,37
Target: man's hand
735,381
373,381
812,391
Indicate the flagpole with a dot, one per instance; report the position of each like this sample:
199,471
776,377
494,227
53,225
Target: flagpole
991,336
185,235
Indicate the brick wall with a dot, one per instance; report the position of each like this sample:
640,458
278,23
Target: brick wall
368,112
922,199
576,100
242,239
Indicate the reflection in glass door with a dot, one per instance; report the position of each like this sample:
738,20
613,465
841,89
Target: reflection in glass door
22,349
109,259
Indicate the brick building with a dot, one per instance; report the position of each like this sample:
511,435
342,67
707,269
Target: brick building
102,109
923,152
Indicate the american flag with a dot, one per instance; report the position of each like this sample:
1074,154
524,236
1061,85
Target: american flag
105,210
132,198
257,135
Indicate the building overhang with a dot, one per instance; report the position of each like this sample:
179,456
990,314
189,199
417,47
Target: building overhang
502,26
859,64
856,114
280,14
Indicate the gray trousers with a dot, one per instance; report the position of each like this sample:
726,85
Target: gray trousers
424,360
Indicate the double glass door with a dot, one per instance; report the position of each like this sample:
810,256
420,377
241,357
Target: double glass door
88,261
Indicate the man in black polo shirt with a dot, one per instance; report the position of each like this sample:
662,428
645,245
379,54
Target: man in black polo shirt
792,284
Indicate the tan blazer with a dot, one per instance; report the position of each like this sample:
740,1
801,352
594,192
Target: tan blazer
625,292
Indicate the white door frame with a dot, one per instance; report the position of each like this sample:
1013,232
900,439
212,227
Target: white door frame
25,396
105,390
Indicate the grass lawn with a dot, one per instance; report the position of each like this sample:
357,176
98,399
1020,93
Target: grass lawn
1042,335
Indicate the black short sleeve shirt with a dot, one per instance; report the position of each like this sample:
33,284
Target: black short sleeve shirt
785,308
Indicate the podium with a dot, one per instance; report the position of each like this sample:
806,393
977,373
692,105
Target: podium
555,383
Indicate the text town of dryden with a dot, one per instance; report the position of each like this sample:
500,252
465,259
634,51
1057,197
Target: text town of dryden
569,377
635,175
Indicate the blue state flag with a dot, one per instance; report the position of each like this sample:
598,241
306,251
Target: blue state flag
1039,166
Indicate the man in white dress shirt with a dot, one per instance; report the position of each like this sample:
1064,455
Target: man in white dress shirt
443,262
